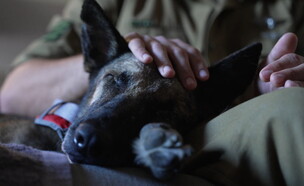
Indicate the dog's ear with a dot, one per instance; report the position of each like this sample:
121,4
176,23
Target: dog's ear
229,78
101,42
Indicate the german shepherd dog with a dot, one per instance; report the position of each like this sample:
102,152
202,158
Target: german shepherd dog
132,114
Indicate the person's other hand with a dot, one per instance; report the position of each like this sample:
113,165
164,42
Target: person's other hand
283,68
172,56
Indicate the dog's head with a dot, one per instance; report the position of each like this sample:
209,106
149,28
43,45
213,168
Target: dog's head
124,94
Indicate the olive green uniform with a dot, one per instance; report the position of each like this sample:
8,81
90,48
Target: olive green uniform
216,27
259,142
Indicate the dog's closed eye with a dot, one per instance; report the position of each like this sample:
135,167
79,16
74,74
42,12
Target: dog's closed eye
118,80
109,76
122,79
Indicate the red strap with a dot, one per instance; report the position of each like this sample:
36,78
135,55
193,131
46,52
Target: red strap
57,120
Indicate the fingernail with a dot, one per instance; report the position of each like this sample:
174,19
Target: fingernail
203,74
147,58
290,83
266,74
191,83
168,72
278,79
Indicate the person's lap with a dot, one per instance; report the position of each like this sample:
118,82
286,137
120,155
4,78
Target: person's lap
258,142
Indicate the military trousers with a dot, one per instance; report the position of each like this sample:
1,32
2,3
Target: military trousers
259,142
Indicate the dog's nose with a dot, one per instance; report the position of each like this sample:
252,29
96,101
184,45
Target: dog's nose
84,136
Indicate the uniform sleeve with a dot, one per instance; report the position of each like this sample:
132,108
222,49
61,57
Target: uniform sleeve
62,38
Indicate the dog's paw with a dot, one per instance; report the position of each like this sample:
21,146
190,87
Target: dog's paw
161,149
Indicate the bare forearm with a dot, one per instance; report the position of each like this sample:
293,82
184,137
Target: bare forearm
34,85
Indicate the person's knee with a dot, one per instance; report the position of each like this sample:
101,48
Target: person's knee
287,103
281,110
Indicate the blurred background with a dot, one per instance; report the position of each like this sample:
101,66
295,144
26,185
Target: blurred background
21,21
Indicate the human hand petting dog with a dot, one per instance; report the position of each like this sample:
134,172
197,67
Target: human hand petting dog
283,67
172,56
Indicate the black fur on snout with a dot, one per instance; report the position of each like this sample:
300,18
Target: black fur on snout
105,133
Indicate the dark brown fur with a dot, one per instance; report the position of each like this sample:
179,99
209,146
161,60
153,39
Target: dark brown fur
128,101
22,130
127,98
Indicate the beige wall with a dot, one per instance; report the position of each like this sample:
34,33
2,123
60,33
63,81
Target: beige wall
21,21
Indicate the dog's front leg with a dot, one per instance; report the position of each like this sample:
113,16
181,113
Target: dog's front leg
161,149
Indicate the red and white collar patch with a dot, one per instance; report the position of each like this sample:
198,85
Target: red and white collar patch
58,117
